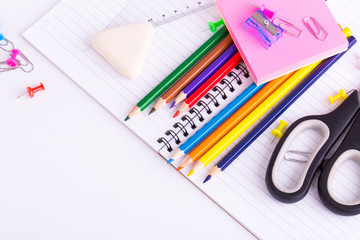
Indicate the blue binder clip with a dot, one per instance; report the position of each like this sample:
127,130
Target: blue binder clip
261,27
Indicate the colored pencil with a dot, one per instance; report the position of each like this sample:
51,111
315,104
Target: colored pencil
216,121
284,105
193,73
240,114
231,136
206,74
178,72
209,84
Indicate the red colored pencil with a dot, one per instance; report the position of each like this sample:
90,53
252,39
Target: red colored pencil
209,84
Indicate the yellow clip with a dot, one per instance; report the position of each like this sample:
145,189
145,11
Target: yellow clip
277,132
341,94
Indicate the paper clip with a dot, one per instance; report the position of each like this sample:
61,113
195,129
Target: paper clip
5,44
260,26
286,26
319,29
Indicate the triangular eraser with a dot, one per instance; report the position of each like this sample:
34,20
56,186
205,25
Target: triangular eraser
125,47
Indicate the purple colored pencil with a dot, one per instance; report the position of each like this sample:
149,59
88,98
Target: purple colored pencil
206,74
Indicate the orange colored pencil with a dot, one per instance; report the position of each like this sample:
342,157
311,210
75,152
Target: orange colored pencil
240,114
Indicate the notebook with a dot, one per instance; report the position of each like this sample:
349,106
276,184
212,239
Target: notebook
63,36
289,53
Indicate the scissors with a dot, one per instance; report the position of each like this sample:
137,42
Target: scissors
333,129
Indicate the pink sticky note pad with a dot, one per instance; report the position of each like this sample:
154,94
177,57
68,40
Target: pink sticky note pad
289,53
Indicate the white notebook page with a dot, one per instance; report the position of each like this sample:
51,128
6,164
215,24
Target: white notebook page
241,190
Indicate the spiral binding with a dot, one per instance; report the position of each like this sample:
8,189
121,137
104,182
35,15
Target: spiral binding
196,111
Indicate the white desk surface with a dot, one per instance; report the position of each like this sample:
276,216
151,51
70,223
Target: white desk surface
66,165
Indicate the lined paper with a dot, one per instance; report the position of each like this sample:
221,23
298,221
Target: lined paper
63,35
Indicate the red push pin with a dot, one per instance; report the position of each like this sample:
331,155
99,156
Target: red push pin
31,91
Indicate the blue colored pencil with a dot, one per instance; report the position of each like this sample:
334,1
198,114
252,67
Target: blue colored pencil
203,76
255,133
216,121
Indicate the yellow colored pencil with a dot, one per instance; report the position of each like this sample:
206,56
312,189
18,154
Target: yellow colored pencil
231,136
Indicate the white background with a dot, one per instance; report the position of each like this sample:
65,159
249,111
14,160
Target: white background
70,170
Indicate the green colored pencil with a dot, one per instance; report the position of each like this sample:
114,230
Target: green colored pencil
178,72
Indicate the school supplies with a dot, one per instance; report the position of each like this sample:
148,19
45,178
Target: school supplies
278,132
230,123
288,55
32,91
250,119
264,124
125,47
16,60
176,74
5,44
210,83
341,94
193,73
202,133
209,72
241,191
331,126
262,28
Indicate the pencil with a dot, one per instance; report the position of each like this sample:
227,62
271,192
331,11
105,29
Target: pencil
283,106
206,74
209,83
193,73
178,72
230,123
258,112
216,121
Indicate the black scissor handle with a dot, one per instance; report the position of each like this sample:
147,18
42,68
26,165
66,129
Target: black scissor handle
348,149
330,126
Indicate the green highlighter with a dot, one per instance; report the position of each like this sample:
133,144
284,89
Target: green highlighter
178,72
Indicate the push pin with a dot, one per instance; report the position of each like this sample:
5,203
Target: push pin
214,25
32,91
278,132
341,94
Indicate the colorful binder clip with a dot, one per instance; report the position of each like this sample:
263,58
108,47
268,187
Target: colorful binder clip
261,27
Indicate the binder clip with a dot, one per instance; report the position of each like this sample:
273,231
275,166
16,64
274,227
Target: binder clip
5,44
17,60
261,27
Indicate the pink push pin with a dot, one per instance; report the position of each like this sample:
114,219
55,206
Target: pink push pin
32,91
12,61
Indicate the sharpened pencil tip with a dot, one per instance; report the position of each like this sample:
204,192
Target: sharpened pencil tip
127,118
207,178
179,168
172,105
152,111
170,160
190,173
176,114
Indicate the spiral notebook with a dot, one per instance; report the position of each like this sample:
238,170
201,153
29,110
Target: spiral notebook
63,36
